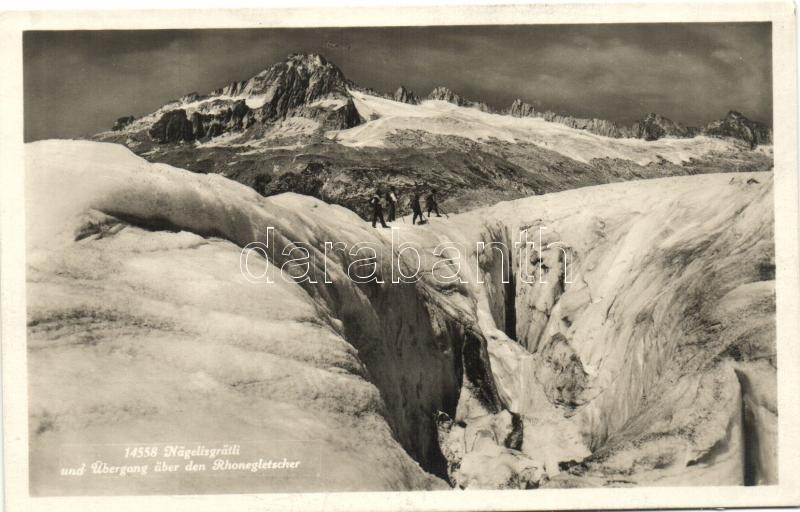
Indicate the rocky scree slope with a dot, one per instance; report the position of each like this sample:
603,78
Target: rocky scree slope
648,359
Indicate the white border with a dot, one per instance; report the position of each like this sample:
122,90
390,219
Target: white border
12,254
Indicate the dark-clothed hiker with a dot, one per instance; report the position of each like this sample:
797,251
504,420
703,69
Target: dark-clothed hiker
417,209
391,200
432,204
377,209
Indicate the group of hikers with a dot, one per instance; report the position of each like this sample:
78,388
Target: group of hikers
390,197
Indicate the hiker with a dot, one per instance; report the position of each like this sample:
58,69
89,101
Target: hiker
391,200
377,209
417,209
432,204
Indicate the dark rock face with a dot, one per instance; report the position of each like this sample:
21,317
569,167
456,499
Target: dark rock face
214,130
122,122
405,96
739,127
173,126
299,80
654,127
198,126
340,118
238,116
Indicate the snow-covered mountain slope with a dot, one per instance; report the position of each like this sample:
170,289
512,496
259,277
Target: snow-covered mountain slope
652,358
387,117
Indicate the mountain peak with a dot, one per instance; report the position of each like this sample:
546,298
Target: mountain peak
655,126
737,125
303,76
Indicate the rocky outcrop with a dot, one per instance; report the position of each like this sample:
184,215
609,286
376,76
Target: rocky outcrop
405,96
597,126
654,127
340,118
173,126
521,109
199,126
234,117
442,93
122,122
736,125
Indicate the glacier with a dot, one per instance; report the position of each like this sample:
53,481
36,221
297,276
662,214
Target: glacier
654,365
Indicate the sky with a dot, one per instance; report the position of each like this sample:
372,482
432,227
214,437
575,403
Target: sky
77,83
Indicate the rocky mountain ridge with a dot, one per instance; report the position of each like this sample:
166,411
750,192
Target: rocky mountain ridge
305,86
301,125
278,91
736,125
654,126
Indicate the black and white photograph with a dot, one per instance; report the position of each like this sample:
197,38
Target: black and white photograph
425,258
